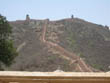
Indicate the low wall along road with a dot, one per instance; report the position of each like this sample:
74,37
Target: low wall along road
53,77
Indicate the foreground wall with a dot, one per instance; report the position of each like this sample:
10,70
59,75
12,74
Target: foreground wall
53,77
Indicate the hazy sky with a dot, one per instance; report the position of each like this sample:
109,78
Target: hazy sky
97,11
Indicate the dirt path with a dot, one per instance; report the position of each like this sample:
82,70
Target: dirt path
81,65
21,46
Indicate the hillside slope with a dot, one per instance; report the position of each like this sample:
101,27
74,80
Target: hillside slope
87,40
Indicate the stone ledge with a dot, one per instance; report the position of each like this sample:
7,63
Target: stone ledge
59,74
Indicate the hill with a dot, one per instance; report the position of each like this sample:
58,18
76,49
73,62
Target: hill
87,40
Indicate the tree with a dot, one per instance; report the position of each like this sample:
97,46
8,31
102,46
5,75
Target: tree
7,50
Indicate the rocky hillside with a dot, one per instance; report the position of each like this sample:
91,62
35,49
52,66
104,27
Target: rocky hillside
87,40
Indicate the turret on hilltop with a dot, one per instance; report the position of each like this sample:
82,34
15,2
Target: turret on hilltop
72,16
27,18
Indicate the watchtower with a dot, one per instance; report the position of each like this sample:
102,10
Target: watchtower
27,18
72,16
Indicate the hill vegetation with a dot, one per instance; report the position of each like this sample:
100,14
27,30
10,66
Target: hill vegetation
7,50
87,40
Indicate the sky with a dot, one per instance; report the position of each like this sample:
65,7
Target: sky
96,11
